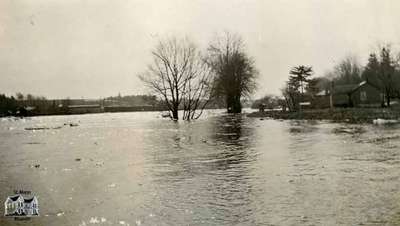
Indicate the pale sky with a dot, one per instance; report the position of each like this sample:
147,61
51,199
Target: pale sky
96,48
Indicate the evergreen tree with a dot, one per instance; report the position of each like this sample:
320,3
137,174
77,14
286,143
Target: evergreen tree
301,74
371,71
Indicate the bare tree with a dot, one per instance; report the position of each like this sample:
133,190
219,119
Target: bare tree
235,70
19,96
291,94
387,73
383,71
347,71
180,76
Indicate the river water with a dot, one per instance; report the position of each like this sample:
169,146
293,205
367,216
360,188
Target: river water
140,169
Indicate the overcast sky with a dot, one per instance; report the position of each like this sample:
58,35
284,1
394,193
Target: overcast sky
96,48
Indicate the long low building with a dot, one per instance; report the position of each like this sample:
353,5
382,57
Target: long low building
131,108
84,109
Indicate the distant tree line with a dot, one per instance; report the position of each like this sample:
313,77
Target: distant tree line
31,105
26,105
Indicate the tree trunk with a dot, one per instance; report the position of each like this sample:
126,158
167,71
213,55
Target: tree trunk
387,99
233,104
237,107
175,115
229,104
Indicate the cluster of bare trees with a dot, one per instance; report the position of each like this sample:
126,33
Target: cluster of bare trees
188,79
383,70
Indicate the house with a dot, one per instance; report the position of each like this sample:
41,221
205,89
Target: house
363,94
31,206
17,205
367,95
13,206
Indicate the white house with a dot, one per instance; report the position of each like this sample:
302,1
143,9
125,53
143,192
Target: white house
31,207
18,206
14,205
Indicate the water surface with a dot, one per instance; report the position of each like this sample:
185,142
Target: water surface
140,169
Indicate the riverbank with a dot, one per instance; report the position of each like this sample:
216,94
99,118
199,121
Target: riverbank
351,115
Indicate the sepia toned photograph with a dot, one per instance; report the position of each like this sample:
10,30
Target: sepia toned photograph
199,112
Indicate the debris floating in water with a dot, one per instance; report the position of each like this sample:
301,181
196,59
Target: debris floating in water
60,214
35,166
349,130
380,121
33,143
36,128
42,128
71,124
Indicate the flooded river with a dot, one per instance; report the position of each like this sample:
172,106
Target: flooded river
140,169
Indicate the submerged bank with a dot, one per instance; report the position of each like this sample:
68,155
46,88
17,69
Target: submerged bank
352,115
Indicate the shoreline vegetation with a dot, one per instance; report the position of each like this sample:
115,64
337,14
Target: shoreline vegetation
185,78
348,115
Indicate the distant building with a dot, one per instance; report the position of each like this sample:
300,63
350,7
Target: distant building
363,94
25,111
117,108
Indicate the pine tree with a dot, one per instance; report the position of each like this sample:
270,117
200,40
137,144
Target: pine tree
301,74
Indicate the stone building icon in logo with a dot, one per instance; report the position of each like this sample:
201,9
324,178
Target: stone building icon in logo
18,206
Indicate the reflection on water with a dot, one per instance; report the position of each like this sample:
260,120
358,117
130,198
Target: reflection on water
139,169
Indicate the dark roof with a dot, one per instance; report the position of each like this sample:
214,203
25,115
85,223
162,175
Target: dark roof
15,197
347,89
28,200
344,89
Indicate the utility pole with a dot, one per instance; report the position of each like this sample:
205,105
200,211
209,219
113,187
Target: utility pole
331,96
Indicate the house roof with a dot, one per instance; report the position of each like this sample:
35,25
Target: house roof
15,197
29,200
322,93
344,89
347,89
